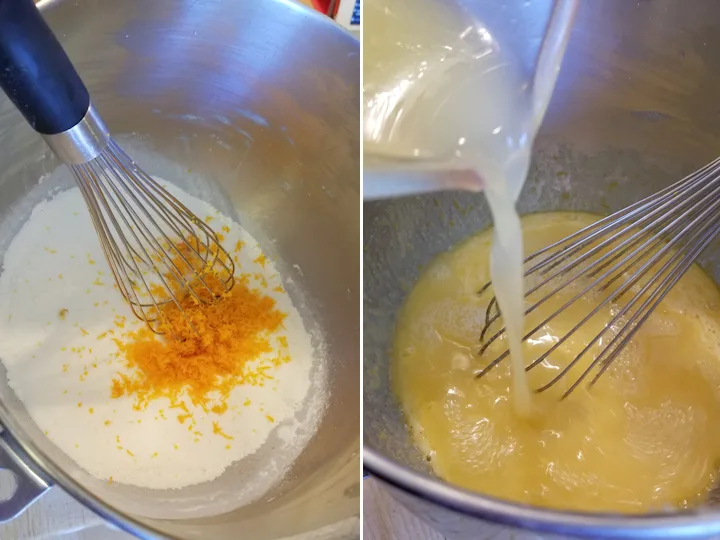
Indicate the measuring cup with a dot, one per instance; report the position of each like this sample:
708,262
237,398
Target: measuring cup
470,52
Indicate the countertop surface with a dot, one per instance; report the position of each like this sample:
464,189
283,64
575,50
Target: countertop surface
385,519
57,515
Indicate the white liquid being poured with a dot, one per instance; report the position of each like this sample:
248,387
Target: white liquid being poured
441,93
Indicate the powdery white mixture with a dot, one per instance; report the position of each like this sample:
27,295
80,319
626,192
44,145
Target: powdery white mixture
62,370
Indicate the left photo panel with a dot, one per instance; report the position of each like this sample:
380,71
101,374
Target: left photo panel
180,269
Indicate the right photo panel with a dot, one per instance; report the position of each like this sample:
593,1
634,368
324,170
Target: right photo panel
541,320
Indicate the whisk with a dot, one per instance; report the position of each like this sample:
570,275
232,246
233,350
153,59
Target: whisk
638,253
159,252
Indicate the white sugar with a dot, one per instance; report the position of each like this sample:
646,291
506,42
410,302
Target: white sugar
57,298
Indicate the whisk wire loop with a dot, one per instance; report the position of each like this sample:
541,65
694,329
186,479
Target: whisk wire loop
158,251
644,248
570,249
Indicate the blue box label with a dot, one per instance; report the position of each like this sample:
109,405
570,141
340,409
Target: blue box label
355,19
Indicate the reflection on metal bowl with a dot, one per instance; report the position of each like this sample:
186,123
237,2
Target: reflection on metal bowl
260,100
634,110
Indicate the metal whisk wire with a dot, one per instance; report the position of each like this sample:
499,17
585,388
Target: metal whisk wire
157,249
649,245
159,252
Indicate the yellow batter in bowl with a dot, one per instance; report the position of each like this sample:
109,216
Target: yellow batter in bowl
645,437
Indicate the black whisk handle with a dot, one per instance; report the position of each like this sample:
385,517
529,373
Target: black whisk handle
35,72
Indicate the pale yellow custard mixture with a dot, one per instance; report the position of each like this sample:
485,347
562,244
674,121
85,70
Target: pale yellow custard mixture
645,437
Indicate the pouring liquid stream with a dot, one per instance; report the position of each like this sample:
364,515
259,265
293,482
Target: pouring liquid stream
441,94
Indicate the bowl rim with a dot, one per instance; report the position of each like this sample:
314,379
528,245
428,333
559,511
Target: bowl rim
502,512
45,467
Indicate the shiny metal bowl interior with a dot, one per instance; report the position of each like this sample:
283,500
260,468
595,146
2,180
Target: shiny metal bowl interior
254,107
635,109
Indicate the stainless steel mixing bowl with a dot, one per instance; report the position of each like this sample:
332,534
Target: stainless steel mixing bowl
635,109
256,106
